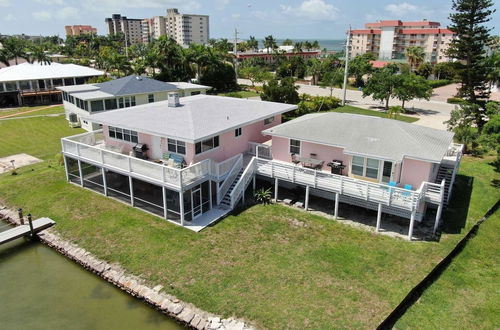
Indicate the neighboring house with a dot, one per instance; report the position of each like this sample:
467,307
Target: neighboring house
200,156
120,93
35,83
178,158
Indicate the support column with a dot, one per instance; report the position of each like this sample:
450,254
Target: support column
181,201
243,195
104,182
336,205
131,187
438,217
66,167
80,172
276,182
164,193
254,183
412,223
379,217
210,193
306,204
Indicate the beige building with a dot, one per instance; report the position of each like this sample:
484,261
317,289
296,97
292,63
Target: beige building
389,39
76,30
130,27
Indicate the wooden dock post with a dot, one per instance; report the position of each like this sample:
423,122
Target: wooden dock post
31,225
20,213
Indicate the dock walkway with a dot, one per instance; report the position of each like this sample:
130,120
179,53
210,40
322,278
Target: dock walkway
23,230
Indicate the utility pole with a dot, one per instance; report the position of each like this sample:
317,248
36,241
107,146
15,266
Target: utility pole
346,69
235,52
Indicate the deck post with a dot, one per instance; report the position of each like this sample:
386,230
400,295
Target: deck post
104,181
337,195
254,183
131,188
306,206
276,183
20,214
181,202
379,217
412,222
66,167
80,172
210,193
164,193
30,221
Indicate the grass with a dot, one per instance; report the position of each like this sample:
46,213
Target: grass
361,111
240,94
19,111
256,264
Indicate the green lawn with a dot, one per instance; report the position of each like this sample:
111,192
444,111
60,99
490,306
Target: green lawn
53,110
361,111
257,264
240,94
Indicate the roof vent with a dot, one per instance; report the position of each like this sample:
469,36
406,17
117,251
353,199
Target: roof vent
173,99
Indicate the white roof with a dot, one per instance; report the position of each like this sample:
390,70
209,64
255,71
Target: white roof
196,118
186,85
370,136
35,71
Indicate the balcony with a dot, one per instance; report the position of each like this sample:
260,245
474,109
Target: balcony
91,148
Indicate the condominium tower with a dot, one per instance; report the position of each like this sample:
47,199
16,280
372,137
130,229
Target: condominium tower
130,27
389,39
76,30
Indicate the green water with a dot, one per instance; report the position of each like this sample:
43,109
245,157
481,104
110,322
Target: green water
41,289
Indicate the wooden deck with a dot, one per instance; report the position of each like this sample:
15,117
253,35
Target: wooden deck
23,230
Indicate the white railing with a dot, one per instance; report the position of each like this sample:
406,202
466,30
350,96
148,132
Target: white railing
223,168
259,150
246,177
434,192
233,173
84,147
361,189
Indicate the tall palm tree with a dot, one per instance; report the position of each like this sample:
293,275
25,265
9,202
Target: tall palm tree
4,58
307,45
415,55
39,53
270,43
198,56
297,47
252,43
315,68
15,48
315,44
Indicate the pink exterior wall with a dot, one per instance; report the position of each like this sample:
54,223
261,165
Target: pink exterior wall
229,144
414,172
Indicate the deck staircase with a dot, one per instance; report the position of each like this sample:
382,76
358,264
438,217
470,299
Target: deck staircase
226,200
445,172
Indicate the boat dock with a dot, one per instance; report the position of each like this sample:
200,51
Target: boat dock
26,230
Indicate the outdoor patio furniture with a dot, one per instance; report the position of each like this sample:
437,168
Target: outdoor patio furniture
308,162
294,159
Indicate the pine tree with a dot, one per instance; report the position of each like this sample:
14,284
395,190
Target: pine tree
469,46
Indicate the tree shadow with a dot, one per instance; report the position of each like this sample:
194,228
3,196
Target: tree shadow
455,214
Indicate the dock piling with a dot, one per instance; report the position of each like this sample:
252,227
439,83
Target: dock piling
20,213
31,225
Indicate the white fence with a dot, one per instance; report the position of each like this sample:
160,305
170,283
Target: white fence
259,150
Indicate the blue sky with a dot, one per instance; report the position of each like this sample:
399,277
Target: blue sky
310,19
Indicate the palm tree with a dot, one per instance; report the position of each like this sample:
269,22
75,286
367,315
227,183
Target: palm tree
297,47
315,44
15,48
287,42
39,54
415,55
269,42
307,45
4,58
315,68
252,43
332,79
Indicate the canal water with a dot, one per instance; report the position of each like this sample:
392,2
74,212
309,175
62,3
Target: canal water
41,289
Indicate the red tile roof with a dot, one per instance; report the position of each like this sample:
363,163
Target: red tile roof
378,64
426,31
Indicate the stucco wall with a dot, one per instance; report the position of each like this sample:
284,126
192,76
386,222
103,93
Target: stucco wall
414,172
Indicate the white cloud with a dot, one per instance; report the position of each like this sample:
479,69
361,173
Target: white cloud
51,2
401,9
118,5
221,4
10,18
260,14
316,10
235,16
61,14
4,3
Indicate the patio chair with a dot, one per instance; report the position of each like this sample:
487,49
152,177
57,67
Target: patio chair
407,187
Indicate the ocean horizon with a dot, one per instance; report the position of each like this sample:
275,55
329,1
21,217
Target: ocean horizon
329,44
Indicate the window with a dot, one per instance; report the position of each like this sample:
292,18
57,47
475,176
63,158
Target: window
178,147
96,105
294,146
268,121
151,98
120,102
207,145
110,104
367,167
123,134
132,101
127,102
237,132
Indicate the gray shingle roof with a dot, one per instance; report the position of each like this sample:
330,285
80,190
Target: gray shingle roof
197,117
134,85
369,136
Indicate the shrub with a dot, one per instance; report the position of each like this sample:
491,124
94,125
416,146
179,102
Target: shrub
455,100
263,196
439,83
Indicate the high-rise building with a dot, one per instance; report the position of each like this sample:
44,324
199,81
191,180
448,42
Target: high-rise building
390,39
187,28
76,30
130,27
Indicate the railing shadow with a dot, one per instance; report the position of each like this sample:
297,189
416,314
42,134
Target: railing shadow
455,214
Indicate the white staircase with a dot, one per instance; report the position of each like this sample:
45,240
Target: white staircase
226,200
445,172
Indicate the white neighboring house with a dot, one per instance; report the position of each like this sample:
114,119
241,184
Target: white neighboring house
80,101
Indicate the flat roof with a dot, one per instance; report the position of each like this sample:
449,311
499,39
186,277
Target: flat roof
370,136
196,118
35,71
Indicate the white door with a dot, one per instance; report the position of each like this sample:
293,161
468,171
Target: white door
155,147
196,202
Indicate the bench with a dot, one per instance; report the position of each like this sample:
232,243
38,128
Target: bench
177,159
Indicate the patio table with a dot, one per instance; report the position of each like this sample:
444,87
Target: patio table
310,162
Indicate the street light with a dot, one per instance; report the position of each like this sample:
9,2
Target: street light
346,68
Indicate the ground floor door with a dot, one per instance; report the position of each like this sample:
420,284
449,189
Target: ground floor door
386,171
155,147
196,202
